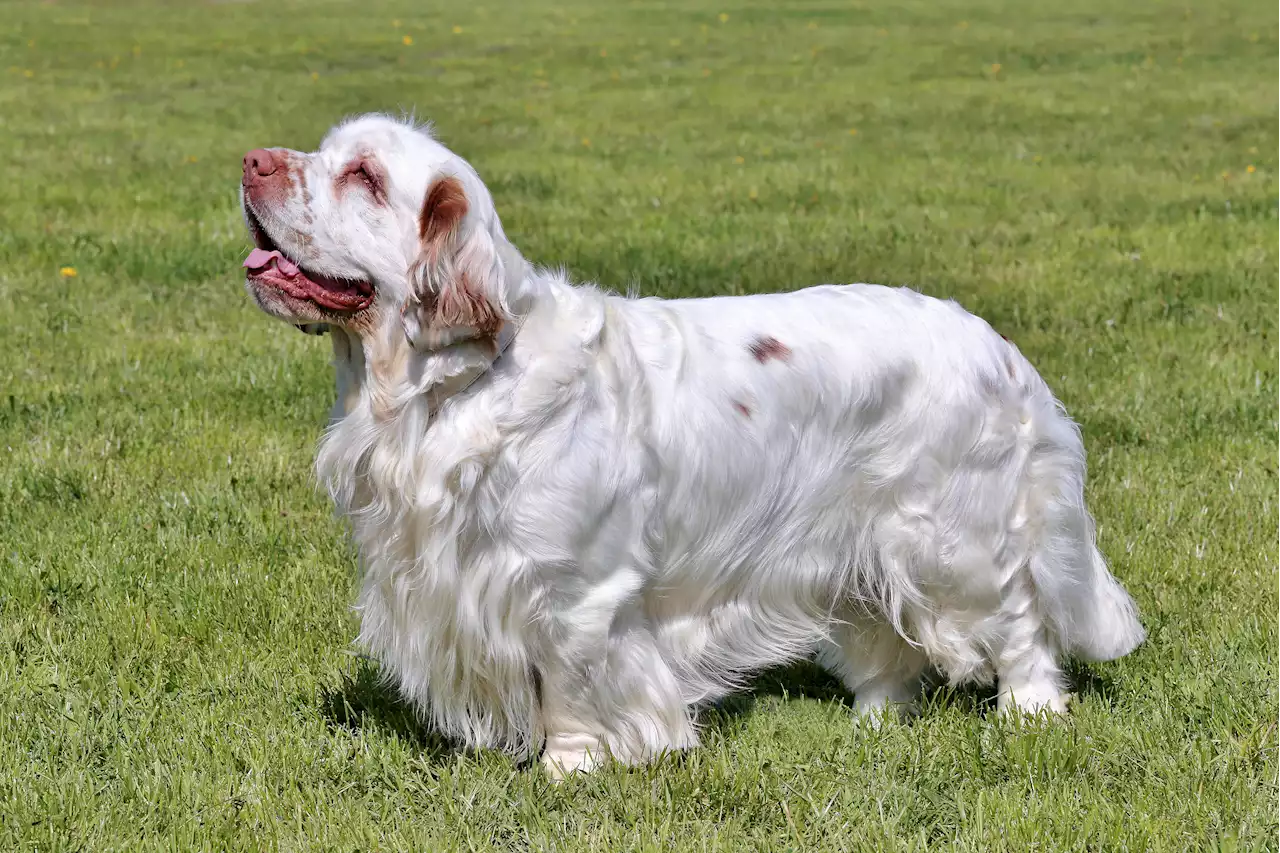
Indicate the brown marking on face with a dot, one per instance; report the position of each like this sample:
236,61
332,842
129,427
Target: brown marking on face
765,348
273,190
442,213
362,172
742,408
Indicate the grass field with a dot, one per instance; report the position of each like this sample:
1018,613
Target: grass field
175,660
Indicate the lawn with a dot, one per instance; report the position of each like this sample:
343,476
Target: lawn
1097,179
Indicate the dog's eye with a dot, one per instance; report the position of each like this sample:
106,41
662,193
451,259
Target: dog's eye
368,174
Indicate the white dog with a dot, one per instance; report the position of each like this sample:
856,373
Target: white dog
581,515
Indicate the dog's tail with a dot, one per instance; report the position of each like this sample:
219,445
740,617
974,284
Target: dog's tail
1092,614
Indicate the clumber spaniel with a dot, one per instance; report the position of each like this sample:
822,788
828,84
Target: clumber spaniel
581,515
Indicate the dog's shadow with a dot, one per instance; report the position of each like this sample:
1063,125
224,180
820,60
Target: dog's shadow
807,680
363,700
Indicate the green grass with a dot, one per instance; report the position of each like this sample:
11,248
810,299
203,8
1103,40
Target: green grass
1098,179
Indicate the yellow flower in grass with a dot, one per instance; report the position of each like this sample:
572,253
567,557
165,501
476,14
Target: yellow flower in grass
407,41
739,160
1251,169
67,272
724,17
586,143
457,30
853,131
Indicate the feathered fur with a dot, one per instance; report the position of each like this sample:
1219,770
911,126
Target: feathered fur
584,519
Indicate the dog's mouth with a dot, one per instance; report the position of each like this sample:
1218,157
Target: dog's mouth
267,265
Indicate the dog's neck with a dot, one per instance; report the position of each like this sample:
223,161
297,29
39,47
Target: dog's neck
381,365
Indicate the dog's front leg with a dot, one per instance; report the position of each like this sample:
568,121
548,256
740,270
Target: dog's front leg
607,691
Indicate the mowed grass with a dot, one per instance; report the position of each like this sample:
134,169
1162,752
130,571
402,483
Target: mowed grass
1097,179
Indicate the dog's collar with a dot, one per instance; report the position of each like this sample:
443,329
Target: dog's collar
502,350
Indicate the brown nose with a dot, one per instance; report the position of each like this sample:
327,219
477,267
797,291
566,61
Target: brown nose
258,163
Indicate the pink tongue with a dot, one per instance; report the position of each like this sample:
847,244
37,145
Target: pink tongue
260,259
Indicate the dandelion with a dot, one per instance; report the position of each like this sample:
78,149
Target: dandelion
724,17
315,75
586,143
28,73
457,30
853,131
1251,169
995,68
193,159
407,41
603,53
67,272
753,195
739,160
963,25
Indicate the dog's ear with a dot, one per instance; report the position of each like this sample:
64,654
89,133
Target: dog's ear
457,277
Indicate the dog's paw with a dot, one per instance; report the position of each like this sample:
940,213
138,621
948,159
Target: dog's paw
568,754
1033,701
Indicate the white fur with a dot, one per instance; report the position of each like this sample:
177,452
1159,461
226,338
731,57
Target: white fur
628,511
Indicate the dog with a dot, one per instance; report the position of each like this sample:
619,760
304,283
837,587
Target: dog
582,516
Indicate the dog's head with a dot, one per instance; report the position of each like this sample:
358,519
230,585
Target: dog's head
381,225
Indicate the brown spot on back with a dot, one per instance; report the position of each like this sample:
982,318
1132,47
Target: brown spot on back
765,348
742,408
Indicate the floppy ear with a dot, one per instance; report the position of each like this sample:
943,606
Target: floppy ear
457,277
